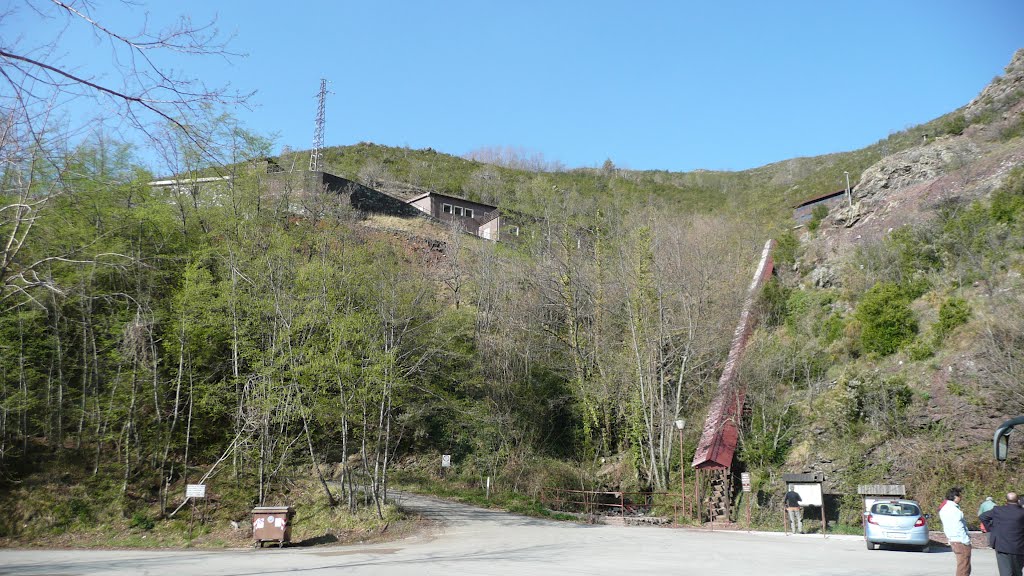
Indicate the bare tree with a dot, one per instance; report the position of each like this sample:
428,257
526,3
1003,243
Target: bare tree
1002,357
374,173
452,273
518,158
37,73
40,78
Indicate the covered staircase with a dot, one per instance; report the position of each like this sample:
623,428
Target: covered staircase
717,445
721,495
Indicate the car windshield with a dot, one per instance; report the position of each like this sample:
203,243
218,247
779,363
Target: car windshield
896,509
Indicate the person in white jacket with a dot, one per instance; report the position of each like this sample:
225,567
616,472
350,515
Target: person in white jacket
955,527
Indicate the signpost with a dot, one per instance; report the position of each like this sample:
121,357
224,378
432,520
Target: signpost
745,481
193,491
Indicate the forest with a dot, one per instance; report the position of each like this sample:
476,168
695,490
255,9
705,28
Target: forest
162,331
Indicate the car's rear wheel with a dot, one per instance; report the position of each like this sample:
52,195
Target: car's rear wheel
871,545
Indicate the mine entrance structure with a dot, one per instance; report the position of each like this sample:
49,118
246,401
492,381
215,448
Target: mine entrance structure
713,458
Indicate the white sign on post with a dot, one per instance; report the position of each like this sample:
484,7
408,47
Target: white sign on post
195,491
446,461
745,480
810,493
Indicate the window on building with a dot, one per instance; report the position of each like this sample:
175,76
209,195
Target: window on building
460,210
469,212
446,208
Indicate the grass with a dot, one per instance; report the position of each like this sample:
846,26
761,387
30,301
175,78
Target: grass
63,506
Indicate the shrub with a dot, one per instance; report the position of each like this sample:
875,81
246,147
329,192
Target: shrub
955,124
1012,130
805,310
833,328
1008,200
913,252
786,246
865,398
887,322
852,332
884,402
920,350
1006,207
142,520
772,302
952,313
905,257
74,511
818,213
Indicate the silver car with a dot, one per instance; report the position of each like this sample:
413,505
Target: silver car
896,522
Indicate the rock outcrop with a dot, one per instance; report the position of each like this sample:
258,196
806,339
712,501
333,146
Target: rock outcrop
915,166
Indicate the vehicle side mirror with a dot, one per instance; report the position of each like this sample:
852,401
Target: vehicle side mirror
1002,446
1001,439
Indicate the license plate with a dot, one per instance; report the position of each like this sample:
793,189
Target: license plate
897,535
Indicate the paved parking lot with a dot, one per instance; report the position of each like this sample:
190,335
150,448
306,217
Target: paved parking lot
475,541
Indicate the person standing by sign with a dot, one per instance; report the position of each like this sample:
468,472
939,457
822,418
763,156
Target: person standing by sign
1006,531
793,510
955,527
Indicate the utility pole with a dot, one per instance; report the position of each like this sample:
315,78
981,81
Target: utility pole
849,199
315,155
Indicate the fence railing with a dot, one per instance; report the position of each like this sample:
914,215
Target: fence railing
609,503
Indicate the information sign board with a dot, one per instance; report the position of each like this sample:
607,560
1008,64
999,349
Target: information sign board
810,493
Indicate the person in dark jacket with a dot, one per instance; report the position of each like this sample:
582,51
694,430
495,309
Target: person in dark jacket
796,521
1006,532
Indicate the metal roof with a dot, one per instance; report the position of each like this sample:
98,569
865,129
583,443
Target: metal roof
821,197
804,478
718,441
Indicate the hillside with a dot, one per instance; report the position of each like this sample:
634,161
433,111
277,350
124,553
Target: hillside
905,183
284,348
935,227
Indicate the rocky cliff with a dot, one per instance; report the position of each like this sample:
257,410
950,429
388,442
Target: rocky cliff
968,162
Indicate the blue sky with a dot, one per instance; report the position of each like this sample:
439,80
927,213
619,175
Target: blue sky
652,85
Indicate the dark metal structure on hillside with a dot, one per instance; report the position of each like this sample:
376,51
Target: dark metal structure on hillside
802,212
717,445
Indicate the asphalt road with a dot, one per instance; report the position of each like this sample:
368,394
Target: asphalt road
475,541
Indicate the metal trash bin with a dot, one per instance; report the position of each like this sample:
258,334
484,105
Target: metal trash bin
272,524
